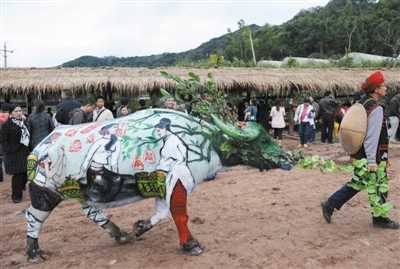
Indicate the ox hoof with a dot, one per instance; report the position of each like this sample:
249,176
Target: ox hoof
192,251
192,247
33,251
123,238
141,226
41,255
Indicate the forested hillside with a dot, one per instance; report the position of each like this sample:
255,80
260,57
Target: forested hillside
329,32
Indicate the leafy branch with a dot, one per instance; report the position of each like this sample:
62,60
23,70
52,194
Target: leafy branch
374,182
207,99
210,100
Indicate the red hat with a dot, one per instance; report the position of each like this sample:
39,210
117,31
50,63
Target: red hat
372,82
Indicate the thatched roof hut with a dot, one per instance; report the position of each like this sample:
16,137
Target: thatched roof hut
32,83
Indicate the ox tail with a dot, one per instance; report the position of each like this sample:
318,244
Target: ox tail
21,213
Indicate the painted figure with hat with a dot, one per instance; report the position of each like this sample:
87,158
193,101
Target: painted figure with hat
374,149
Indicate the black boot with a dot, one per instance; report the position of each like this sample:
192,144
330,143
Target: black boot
327,210
389,224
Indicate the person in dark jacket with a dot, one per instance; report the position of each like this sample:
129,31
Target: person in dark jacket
39,124
66,106
124,111
394,117
16,137
251,111
374,149
240,109
49,112
357,97
327,107
142,104
124,102
78,115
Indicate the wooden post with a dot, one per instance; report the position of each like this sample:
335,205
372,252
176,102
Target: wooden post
252,49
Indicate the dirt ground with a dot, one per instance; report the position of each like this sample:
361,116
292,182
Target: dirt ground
245,218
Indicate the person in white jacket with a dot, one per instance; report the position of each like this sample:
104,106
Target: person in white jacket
304,116
100,113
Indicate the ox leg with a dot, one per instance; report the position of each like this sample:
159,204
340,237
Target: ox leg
179,213
162,211
43,201
98,217
35,219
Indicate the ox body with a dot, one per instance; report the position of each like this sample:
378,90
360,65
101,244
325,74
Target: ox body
153,153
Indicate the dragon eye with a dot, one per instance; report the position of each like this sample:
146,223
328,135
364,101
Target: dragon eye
264,141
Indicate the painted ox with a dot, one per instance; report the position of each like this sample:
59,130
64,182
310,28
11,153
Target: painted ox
154,153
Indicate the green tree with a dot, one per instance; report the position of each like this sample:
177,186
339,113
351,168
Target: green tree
268,43
390,37
239,43
350,19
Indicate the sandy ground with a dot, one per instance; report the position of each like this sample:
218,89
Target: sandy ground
245,218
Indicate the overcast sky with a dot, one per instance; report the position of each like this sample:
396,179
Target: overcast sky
49,33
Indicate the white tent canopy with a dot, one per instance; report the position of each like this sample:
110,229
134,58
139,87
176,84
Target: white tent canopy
269,64
359,57
306,61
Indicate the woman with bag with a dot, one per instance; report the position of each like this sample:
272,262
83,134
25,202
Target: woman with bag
251,111
278,121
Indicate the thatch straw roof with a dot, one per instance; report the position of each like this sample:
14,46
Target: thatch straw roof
38,82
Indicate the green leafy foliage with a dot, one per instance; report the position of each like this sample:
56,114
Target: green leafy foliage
292,63
374,183
207,100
